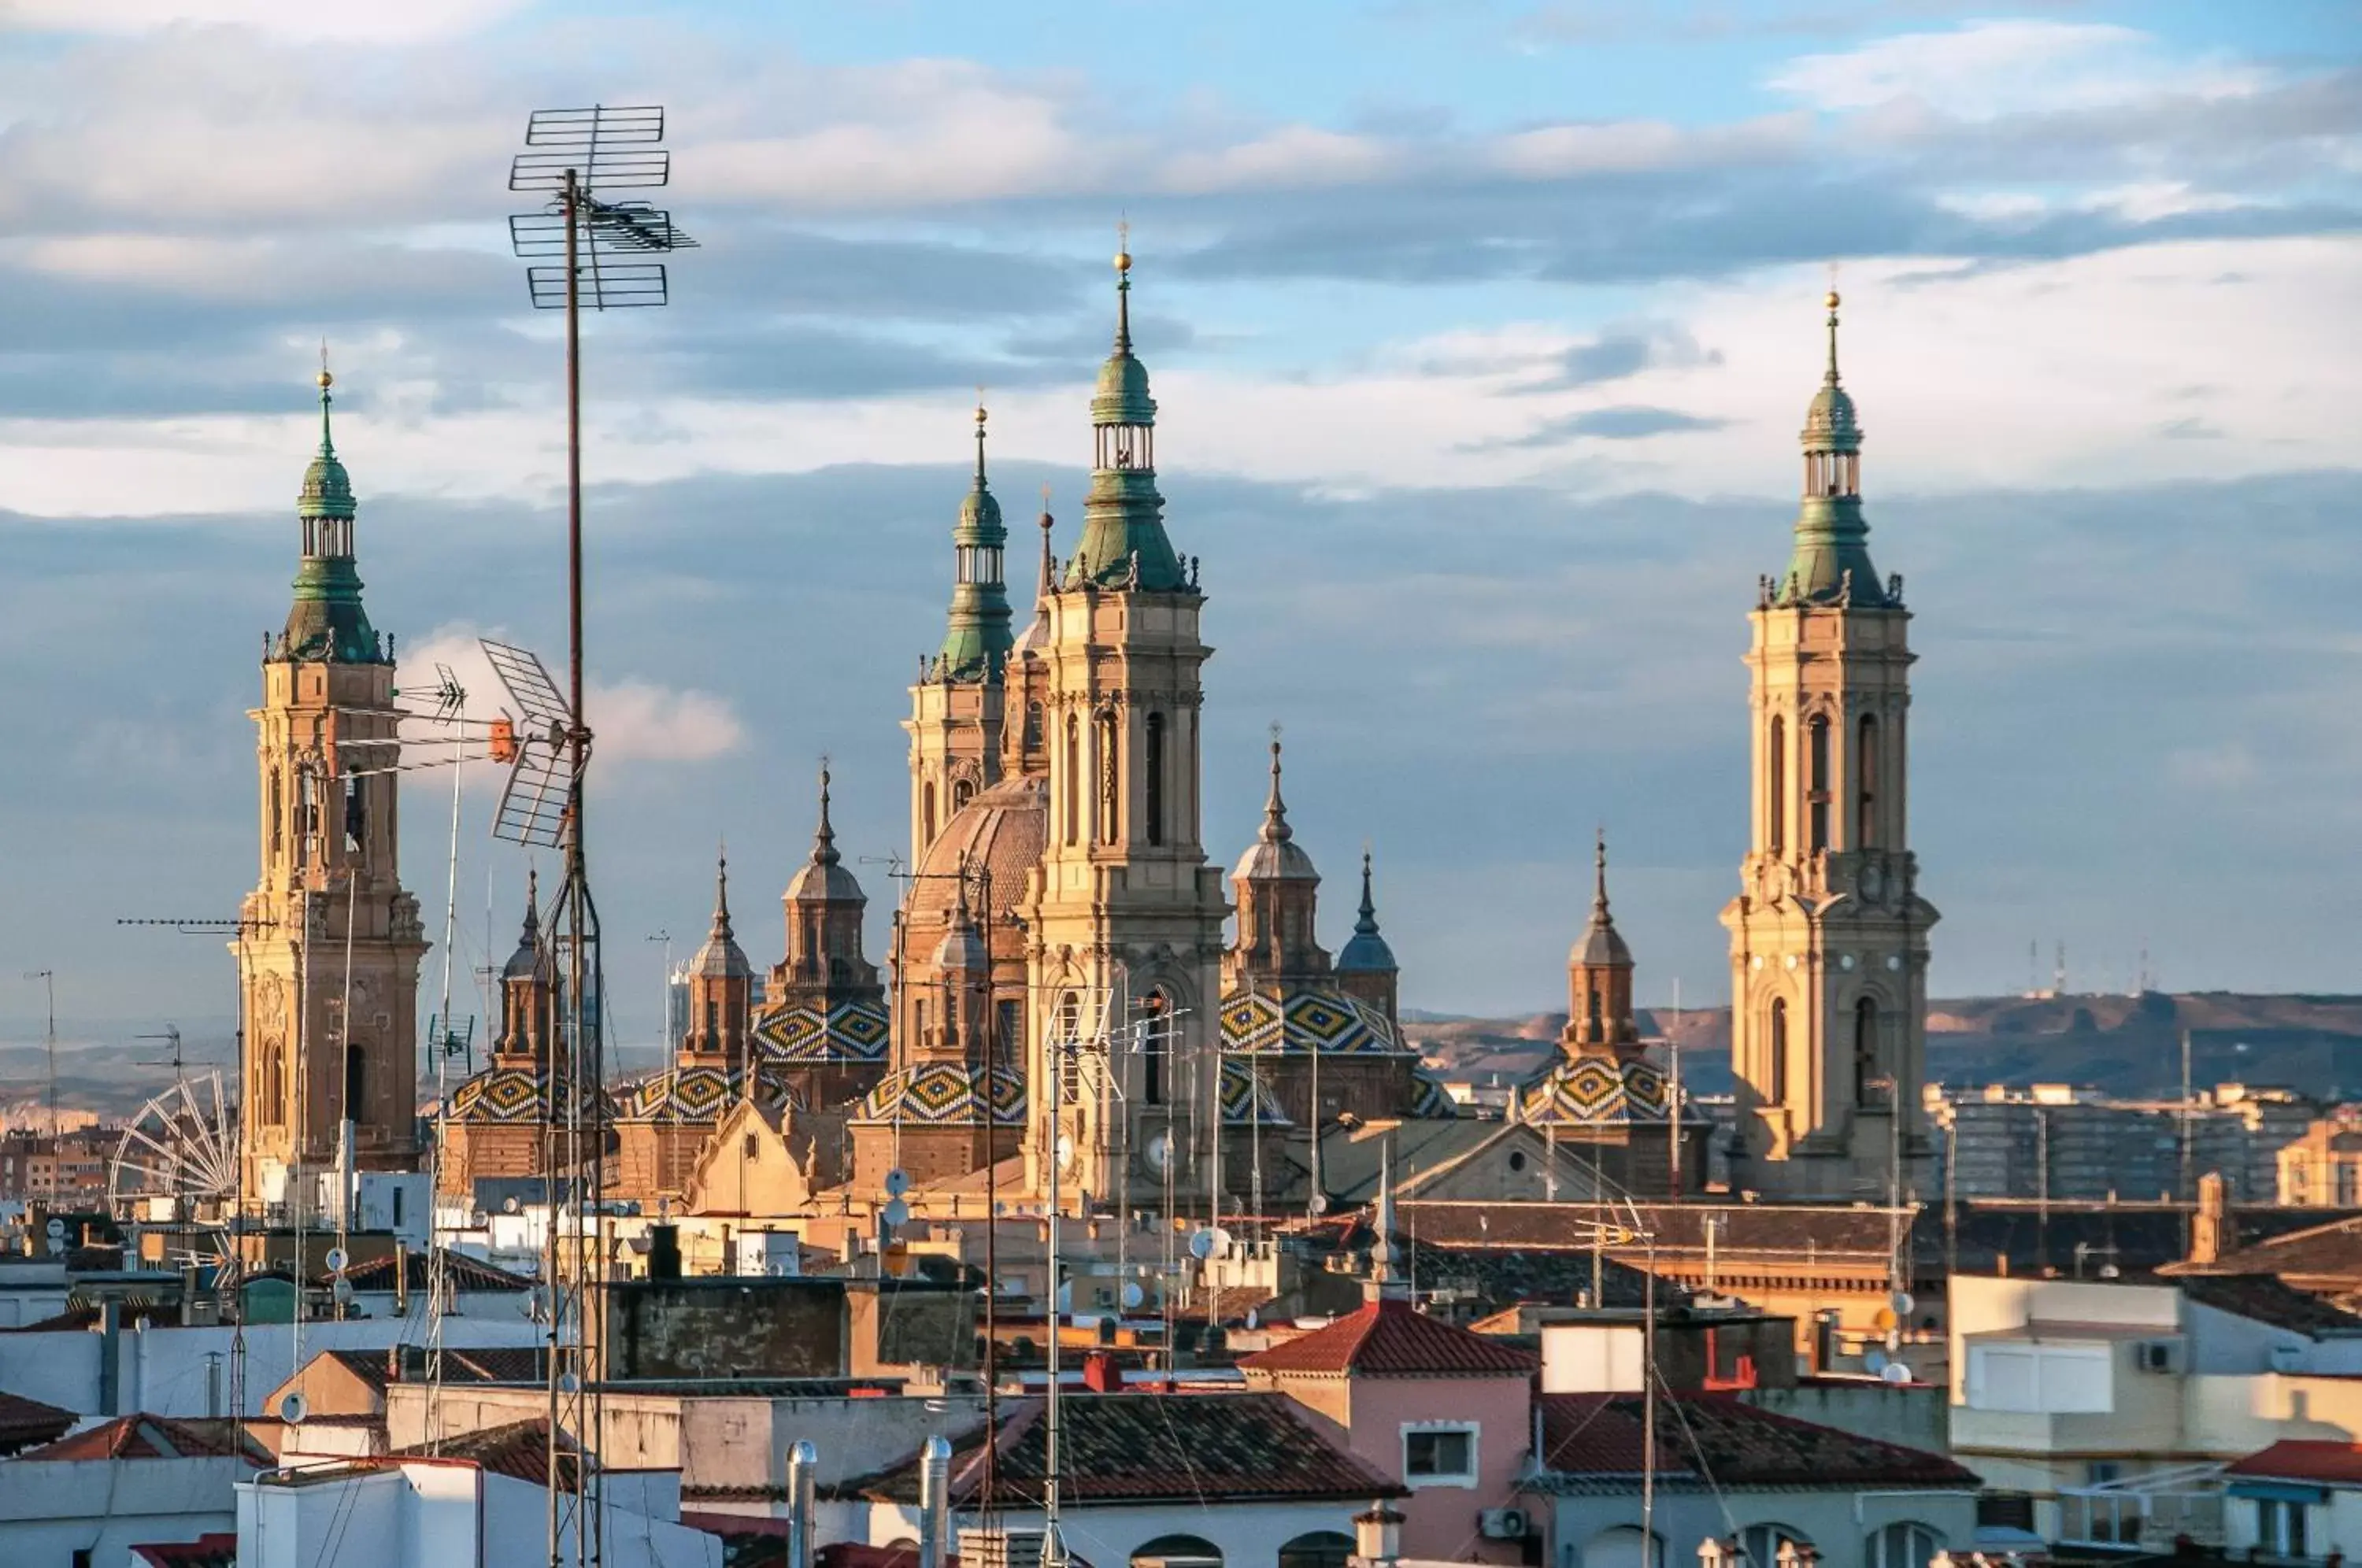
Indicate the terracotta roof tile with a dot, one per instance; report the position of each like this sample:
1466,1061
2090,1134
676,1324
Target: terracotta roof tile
2265,1298
2301,1459
1392,1339
26,1422
155,1437
464,1272
487,1363
519,1451
1720,1440
1152,1448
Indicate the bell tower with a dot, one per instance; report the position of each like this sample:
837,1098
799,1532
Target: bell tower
956,705
329,950
1124,915
1828,934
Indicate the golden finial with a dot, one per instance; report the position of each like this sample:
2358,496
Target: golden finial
326,381
1830,299
1124,245
980,408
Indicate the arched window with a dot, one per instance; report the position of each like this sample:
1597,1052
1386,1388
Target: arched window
1904,1545
1153,778
713,1024
1591,1007
1108,816
1866,1073
356,1082
1032,731
927,810
1621,1546
1775,804
1178,1552
278,816
1865,772
1761,1543
1064,1047
1818,776
356,813
962,792
1074,779
1318,1549
1152,1046
1779,1051
307,813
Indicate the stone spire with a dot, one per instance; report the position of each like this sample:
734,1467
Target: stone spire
976,642
1831,560
327,623
1367,952
1124,544
1275,855
720,958
1599,972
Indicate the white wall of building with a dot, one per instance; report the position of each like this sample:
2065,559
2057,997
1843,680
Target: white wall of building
50,1508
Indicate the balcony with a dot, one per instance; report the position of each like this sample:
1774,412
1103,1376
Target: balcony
2145,1513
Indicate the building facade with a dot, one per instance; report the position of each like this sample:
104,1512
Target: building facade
1828,934
328,943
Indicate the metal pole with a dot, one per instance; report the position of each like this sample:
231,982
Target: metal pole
934,1499
1054,1548
803,1462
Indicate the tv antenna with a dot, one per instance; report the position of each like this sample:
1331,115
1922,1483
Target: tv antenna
171,1033
604,253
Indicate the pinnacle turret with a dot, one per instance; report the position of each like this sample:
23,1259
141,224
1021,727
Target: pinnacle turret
327,623
1124,545
977,642
1831,561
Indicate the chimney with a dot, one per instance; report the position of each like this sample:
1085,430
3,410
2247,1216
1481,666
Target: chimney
2211,1227
934,1500
803,1462
1099,1374
664,1251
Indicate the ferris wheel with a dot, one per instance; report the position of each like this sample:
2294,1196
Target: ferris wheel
176,1165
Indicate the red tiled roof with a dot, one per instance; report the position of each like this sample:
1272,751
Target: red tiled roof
1721,1440
463,1272
24,1422
2304,1459
1152,1448
207,1551
2265,1299
487,1363
155,1437
519,1451
1392,1339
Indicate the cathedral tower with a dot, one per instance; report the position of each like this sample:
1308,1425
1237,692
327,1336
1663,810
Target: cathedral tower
1599,974
1365,964
1279,898
1124,914
955,708
330,944
823,1024
1828,934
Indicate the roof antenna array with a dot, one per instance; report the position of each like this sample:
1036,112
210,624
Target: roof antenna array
602,251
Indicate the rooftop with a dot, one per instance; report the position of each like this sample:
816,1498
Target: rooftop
1714,1440
1392,1339
157,1437
219,1550
1152,1448
26,1422
2304,1459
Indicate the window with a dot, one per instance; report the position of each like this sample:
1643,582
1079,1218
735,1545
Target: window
1151,1051
1779,1042
2030,1378
1516,1159
1904,1545
1010,1019
308,814
919,1018
1074,779
278,815
356,1082
2345,1183
1591,1010
963,789
2280,1527
1865,770
1178,1552
1033,733
927,810
1870,1088
1761,1543
397,1208
1107,779
1817,776
1320,1548
1775,805
752,1148
1153,769
355,814
1440,1455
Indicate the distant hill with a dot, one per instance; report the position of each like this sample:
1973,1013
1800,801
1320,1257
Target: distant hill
2122,1046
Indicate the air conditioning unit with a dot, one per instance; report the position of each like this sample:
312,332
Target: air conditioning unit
1503,1524
2157,1355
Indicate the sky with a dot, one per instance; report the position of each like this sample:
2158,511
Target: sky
1481,334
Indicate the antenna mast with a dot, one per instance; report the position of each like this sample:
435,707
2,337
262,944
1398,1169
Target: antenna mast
570,155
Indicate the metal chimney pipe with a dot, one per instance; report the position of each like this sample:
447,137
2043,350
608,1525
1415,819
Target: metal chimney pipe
802,1461
934,1500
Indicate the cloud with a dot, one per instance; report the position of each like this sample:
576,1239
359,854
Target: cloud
1983,70
1623,421
2190,427
632,719
357,21
1622,350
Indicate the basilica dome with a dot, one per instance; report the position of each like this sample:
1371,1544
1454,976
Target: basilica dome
1001,832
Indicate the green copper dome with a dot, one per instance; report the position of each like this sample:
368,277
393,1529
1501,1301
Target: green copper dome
327,623
976,641
1830,563
1124,544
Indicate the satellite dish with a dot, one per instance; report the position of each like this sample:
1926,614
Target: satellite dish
568,1383
1160,1151
1066,1153
293,1409
1201,1244
1133,1294
1901,1303
336,1260
1875,1359
898,1182
1896,1372
1222,1238
57,1230
1320,1203
508,1205
896,1213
